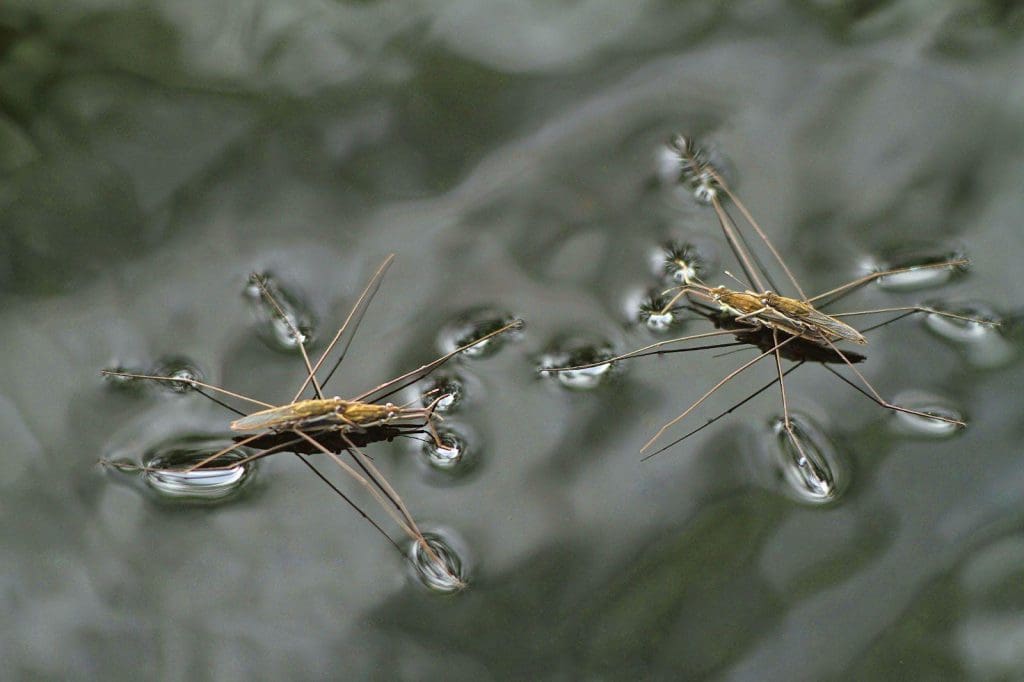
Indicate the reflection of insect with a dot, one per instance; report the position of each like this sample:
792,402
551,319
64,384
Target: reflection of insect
781,326
312,424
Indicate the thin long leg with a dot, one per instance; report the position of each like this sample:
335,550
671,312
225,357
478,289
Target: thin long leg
844,289
714,388
640,351
352,504
380,481
688,288
910,309
299,339
355,316
757,228
394,496
733,237
787,424
190,382
884,403
434,364
214,456
722,414
359,478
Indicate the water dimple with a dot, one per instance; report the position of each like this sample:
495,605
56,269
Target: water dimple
650,311
980,337
452,454
922,425
474,325
165,469
180,368
446,391
681,262
115,377
592,358
698,169
924,268
814,472
444,572
272,322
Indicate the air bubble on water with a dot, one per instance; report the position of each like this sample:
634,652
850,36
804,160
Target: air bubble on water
444,571
273,324
926,269
164,469
454,452
920,425
980,338
814,473
177,368
575,352
474,325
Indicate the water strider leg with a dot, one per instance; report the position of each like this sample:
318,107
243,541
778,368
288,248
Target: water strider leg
877,397
639,351
359,478
787,424
423,370
844,289
714,388
265,292
911,309
190,382
355,316
757,228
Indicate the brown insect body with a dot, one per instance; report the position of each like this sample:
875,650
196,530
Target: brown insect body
789,315
325,411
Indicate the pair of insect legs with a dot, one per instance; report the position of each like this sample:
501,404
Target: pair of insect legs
307,432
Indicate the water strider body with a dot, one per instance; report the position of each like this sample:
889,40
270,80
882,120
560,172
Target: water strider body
790,315
336,413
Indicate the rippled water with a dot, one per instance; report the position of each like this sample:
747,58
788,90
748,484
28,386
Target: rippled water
513,156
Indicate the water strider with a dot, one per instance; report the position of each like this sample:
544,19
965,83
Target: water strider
781,326
332,425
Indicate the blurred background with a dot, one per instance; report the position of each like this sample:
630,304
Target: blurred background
510,152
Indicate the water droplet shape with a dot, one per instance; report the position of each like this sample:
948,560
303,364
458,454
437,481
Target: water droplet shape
813,472
680,262
919,276
919,425
652,314
697,167
983,344
178,368
272,324
449,387
445,572
577,352
453,453
165,470
473,325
